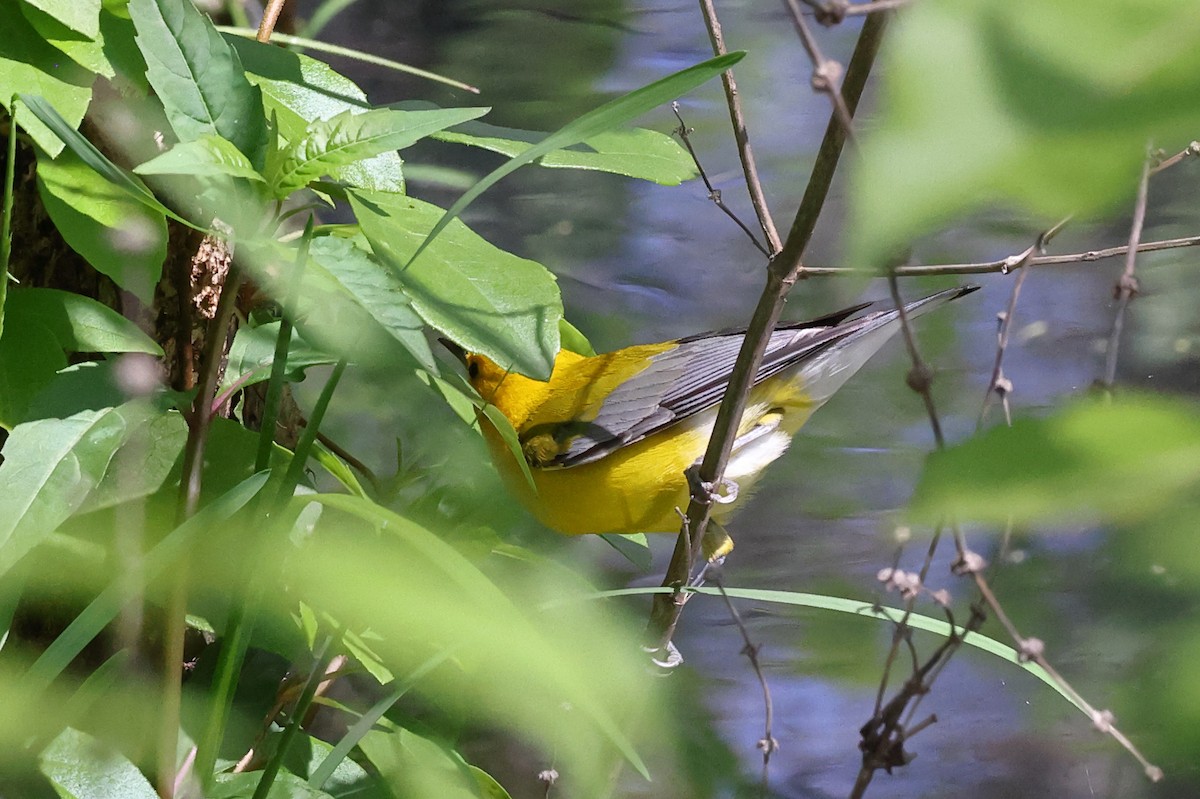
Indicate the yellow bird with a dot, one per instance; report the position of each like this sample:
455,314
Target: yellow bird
609,437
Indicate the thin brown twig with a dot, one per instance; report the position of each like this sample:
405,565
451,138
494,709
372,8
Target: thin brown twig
270,17
1007,264
1127,285
826,72
738,119
1192,149
768,744
998,384
714,194
782,272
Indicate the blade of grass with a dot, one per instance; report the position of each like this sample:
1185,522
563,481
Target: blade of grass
598,120
857,607
103,609
346,52
10,167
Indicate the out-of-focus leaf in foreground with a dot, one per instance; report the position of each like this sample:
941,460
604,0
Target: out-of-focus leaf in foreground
1094,460
512,663
1048,104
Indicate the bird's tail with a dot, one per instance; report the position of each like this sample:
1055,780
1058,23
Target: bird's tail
829,369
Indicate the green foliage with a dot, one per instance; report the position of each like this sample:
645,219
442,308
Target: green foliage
198,76
1046,105
81,767
1106,461
85,467
119,236
28,63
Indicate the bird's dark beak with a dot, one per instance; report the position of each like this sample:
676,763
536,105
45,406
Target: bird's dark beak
455,350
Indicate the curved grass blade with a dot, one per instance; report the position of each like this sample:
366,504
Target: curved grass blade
597,121
346,52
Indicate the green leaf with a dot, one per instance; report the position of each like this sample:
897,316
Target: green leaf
253,351
79,323
95,159
81,16
414,766
204,156
82,767
350,137
29,64
198,76
611,115
573,340
348,298
105,607
298,90
84,48
29,357
118,235
1046,104
485,299
242,786
634,547
636,153
533,662
1123,460
86,386
51,467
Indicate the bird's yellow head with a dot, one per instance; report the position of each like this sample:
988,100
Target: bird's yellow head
484,374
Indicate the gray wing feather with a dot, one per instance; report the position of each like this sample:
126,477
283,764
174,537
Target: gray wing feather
694,375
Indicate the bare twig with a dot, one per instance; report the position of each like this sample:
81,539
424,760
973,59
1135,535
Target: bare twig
834,12
826,72
920,377
998,384
1127,284
768,744
1008,264
714,194
1192,149
738,119
782,273
270,17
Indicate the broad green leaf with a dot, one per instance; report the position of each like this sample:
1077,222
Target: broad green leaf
636,152
29,357
80,324
1093,460
204,156
533,662
253,351
29,64
118,235
85,48
348,299
105,607
485,299
198,76
607,117
95,159
488,786
349,137
51,467
86,386
82,767
242,786
81,16
298,90
414,766
1048,104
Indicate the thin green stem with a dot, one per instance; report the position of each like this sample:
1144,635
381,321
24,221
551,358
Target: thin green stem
321,660
10,172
